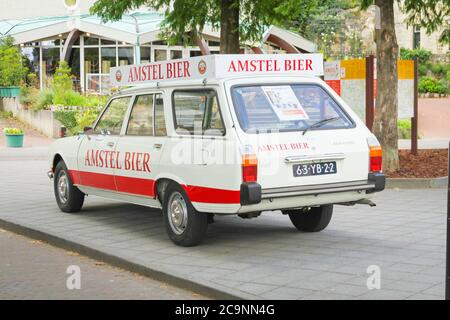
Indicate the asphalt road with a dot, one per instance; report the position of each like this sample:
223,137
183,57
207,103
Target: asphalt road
31,269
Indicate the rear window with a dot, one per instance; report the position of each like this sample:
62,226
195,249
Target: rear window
291,107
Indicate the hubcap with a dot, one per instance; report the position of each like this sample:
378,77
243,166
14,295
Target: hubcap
63,187
177,213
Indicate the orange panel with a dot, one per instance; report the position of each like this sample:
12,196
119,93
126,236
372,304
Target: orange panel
353,69
405,69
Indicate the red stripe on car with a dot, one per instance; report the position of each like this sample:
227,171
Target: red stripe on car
146,187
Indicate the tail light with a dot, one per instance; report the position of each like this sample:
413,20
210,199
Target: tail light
249,168
375,155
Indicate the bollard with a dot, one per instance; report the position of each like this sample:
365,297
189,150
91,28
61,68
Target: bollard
62,132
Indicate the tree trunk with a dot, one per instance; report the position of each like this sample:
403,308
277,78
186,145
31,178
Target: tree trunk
385,124
229,27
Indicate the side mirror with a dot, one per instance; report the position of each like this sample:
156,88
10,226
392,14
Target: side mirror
88,130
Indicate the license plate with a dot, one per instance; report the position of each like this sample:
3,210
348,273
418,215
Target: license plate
314,169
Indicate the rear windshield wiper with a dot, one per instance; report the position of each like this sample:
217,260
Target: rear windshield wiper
320,123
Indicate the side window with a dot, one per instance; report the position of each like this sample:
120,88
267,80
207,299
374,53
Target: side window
141,117
112,119
160,121
197,112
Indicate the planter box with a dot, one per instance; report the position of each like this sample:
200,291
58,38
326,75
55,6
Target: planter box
14,140
9,92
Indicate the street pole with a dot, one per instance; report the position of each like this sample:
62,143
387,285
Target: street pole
415,119
369,91
447,272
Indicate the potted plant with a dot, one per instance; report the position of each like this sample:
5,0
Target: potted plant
12,69
14,137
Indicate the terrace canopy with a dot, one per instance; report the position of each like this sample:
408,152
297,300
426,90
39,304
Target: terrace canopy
92,46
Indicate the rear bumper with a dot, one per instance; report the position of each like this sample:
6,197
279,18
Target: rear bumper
375,182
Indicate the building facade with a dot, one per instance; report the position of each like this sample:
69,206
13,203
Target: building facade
92,47
412,37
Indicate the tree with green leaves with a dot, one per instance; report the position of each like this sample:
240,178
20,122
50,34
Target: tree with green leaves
430,14
12,69
239,21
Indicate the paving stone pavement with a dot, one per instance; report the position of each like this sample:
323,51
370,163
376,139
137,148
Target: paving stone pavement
263,258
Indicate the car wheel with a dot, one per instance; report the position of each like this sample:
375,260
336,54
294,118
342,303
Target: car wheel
311,219
68,197
184,225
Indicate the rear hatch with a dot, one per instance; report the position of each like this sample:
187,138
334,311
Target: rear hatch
273,119
318,157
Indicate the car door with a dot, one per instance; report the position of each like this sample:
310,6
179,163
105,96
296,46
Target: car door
141,145
208,170
97,157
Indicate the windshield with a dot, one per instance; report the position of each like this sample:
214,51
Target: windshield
291,107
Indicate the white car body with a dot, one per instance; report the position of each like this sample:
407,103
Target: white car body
209,168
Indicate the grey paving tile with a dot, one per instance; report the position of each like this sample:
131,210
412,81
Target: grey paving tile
264,257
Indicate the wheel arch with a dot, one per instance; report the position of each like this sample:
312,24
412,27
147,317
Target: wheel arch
161,184
56,158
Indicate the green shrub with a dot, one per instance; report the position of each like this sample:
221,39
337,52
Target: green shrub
12,69
445,85
423,56
86,118
6,114
67,118
431,85
438,69
76,120
404,128
45,98
32,80
28,96
62,81
422,69
69,98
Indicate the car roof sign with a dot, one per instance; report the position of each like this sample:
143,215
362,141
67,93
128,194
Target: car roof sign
217,66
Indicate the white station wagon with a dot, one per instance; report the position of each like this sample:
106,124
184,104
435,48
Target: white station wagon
222,134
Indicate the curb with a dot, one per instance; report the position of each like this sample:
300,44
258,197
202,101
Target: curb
417,183
203,289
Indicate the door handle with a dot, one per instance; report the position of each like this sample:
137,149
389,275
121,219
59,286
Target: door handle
157,145
110,144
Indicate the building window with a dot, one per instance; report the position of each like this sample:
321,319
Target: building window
91,60
90,41
108,59
195,53
416,37
74,63
107,42
160,54
32,55
126,56
213,43
176,54
50,59
145,54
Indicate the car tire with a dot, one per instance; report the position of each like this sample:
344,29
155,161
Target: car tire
68,197
311,219
184,225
